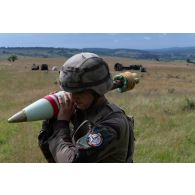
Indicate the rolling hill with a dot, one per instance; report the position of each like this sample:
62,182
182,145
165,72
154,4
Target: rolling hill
175,53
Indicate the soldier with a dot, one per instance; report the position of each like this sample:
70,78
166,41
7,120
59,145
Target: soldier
88,128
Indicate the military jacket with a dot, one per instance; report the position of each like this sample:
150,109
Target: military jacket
103,133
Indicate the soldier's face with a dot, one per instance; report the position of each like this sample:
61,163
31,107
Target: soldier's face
82,100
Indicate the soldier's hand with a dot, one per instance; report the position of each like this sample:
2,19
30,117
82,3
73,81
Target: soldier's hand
124,83
67,107
52,92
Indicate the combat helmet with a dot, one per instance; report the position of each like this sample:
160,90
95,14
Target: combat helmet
85,71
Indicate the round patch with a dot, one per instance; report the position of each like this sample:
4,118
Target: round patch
94,139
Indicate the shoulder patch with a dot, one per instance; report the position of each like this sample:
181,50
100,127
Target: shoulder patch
94,139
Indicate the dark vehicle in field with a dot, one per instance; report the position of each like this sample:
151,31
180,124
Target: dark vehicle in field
44,67
120,67
35,67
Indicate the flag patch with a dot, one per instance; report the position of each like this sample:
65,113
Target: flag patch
94,139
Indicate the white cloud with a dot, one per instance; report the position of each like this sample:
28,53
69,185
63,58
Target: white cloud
162,35
147,38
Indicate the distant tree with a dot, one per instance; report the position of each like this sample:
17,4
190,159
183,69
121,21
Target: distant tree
12,58
190,61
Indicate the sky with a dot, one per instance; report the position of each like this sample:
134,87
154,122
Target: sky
98,40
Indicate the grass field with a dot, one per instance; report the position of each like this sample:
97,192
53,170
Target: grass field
163,105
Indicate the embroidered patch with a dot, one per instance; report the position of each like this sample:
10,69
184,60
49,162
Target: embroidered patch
94,139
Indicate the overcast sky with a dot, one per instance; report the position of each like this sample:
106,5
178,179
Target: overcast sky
98,40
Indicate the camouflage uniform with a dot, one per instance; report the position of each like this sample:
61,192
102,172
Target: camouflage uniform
102,133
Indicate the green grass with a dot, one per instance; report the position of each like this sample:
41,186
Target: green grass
18,142
164,119
164,131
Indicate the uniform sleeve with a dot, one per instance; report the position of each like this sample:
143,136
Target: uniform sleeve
94,146
43,136
60,144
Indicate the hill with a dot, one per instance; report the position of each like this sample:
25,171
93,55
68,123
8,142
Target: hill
167,54
175,53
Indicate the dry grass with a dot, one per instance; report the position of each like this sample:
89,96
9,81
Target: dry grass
164,129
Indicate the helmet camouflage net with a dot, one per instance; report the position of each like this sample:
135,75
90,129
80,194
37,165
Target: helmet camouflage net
85,71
